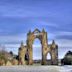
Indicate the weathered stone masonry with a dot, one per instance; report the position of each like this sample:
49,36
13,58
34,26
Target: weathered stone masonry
28,49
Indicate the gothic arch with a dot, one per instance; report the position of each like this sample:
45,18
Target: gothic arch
42,36
37,50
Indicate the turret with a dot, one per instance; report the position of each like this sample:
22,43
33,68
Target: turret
29,32
53,44
43,30
22,44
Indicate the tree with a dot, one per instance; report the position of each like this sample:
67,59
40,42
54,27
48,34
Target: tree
11,53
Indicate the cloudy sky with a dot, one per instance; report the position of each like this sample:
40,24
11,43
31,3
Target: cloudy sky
17,17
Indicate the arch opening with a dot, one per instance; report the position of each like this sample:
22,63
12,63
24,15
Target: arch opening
49,59
37,51
48,56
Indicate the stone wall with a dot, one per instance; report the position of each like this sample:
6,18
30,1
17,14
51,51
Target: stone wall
21,53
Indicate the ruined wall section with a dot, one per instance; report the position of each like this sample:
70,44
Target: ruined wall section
21,53
54,53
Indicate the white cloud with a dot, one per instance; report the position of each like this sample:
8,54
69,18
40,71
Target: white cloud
61,42
54,36
12,42
13,38
12,45
64,42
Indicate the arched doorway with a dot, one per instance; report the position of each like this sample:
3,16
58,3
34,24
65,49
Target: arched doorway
42,36
37,51
48,56
48,59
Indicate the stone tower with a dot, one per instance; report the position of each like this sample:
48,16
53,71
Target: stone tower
21,53
54,53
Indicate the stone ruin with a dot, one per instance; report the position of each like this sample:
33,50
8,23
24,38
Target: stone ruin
26,52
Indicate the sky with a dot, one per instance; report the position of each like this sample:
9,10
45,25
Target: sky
17,17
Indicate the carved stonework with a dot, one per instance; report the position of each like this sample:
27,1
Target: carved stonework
28,50
42,36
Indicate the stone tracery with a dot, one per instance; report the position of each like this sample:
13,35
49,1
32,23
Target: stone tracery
42,36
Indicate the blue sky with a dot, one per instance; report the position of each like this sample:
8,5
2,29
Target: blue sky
17,17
